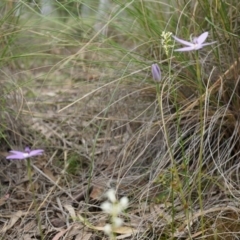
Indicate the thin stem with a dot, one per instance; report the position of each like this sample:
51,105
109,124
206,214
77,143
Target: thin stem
29,173
201,112
174,172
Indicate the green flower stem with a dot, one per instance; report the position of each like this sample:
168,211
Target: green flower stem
29,173
201,117
174,171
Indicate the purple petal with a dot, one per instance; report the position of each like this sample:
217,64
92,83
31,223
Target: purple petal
156,72
16,152
205,44
36,152
27,149
195,40
202,38
183,41
185,49
23,155
17,156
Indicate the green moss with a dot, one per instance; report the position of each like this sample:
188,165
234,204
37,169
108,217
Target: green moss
74,164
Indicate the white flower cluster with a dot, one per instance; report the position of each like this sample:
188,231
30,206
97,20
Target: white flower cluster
166,41
113,207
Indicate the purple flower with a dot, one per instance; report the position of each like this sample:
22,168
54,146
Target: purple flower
26,154
195,44
156,73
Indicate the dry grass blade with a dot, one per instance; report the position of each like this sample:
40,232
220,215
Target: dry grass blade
13,219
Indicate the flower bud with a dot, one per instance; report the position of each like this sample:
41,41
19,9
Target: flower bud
111,195
107,207
156,73
107,229
124,202
117,222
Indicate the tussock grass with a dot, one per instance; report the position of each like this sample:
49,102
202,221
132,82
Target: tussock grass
83,92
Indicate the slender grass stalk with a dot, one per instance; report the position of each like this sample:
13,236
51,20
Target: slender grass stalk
175,179
202,122
38,218
96,138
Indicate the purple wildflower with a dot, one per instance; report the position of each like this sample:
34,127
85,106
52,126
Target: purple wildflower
195,44
26,154
156,73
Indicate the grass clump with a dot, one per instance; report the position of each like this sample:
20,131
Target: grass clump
82,89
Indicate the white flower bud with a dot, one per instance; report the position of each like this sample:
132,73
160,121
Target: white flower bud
107,207
107,229
111,195
117,222
124,202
